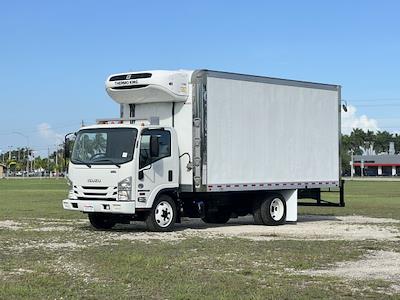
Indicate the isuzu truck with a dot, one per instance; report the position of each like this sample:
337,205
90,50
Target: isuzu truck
205,144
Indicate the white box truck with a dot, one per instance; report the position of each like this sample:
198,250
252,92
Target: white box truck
206,144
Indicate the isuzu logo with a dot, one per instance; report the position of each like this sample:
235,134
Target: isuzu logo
94,180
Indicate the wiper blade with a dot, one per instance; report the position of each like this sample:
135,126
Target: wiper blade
82,162
110,160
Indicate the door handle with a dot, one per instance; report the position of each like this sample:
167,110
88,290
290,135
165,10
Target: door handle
170,175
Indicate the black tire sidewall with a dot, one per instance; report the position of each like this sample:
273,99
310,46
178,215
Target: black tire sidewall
219,217
257,212
265,211
101,221
151,220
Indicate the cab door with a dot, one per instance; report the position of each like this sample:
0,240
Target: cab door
158,170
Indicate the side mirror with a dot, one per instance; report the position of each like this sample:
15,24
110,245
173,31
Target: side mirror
67,151
154,146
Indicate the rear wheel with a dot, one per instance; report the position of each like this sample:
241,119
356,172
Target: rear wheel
162,216
217,217
257,212
273,210
101,221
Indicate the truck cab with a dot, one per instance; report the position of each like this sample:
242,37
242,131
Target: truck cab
116,171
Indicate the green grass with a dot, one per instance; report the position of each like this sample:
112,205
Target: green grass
191,269
33,198
367,198
104,267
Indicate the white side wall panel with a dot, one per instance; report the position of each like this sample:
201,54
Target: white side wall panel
268,133
161,110
183,127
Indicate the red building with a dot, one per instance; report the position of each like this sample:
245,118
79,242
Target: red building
377,165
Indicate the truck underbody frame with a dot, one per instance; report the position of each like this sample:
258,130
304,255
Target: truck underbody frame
315,194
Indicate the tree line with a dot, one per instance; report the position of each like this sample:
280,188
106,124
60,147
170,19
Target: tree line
16,160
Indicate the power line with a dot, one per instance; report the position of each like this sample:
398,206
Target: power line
61,126
378,105
371,99
379,127
29,129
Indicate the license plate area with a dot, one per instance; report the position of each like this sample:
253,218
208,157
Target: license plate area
88,208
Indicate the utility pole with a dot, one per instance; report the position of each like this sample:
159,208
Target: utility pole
56,161
352,164
48,160
362,168
32,160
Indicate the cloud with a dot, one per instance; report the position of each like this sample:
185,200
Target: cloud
49,134
351,120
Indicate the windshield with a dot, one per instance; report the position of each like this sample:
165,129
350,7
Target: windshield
105,146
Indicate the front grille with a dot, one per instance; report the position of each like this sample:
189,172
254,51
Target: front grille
130,76
102,199
129,87
95,187
95,194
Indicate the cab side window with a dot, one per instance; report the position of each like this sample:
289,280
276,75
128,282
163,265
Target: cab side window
164,139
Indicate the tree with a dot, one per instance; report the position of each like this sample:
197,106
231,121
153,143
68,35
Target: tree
382,140
345,153
396,139
357,138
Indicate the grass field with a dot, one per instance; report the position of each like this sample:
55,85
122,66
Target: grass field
48,253
368,198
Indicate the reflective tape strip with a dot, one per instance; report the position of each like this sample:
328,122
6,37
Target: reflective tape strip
270,186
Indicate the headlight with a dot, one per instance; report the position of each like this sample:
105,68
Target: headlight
125,189
71,194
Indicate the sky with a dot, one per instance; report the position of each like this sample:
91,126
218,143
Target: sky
56,55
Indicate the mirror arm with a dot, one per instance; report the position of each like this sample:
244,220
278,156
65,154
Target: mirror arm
140,172
148,167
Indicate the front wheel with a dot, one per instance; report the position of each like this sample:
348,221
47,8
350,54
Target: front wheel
163,214
101,221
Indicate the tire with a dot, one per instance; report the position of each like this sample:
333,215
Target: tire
257,213
162,216
219,217
101,221
273,210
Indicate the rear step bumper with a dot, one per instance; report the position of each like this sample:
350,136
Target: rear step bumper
89,206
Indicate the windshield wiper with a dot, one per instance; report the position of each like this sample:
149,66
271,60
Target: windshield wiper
110,160
82,162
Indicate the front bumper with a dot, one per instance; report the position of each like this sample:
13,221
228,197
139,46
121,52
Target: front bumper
99,206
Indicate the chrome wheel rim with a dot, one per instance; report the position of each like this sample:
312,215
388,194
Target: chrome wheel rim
164,214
